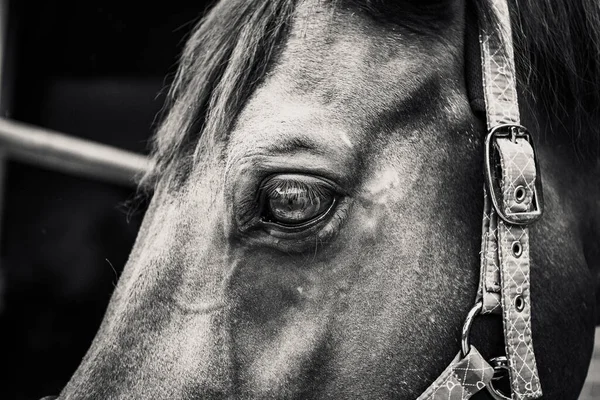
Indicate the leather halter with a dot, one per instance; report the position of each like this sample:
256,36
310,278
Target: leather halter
512,201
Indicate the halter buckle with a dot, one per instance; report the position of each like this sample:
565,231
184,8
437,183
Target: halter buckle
513,132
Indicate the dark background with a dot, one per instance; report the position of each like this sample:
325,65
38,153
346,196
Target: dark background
97,70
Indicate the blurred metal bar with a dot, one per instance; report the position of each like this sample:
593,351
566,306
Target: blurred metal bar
4,4
54,150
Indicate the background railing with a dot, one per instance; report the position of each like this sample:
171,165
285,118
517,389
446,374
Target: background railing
57,151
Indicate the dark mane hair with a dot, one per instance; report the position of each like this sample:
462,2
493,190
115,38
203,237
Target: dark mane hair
557,44
223,60
557,51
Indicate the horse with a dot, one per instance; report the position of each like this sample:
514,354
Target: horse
315,223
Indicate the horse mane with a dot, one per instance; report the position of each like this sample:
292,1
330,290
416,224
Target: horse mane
557,51
224,59
557,48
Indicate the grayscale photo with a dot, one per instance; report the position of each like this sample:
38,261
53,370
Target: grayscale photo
300,200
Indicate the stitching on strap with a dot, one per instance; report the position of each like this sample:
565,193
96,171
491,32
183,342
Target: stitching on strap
461,379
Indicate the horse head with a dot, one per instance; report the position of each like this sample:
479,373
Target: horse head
315,225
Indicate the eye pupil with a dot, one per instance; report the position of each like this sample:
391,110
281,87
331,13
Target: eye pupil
294,210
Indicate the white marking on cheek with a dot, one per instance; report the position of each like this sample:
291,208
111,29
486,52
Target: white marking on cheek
369,224
383,192
386,186
345,139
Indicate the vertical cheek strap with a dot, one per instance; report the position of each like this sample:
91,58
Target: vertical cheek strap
512,201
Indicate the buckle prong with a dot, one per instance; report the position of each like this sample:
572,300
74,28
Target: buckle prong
514,131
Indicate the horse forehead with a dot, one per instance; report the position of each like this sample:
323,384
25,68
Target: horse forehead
339,71
321,31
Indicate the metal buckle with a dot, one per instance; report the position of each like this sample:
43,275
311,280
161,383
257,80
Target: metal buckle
513,132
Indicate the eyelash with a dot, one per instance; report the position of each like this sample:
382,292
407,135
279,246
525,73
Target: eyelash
271,186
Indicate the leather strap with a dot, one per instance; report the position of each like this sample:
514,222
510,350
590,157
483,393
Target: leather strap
464,377
497,61
505,272
509,198
505,277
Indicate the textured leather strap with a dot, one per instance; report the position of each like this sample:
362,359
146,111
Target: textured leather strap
497,58
489,281
505,277
464,377
512,190
501,104
518,174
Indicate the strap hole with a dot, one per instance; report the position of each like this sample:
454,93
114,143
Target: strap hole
517,249
520,193
519,303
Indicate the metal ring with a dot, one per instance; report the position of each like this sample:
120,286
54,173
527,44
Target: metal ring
499,364
519,303
466,330
517,248
496,395
520,193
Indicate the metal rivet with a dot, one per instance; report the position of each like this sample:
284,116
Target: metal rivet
520,193
517,249
519,303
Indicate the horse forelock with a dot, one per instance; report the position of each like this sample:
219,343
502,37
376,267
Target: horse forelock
222,62
557,49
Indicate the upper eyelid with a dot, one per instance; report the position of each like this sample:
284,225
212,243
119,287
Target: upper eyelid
319,181
249,172
318,187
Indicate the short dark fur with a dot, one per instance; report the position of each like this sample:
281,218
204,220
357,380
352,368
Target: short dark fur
557,44
427,16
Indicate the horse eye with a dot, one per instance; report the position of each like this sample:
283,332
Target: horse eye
296,200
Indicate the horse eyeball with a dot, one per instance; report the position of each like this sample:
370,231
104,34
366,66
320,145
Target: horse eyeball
295,200
293,208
